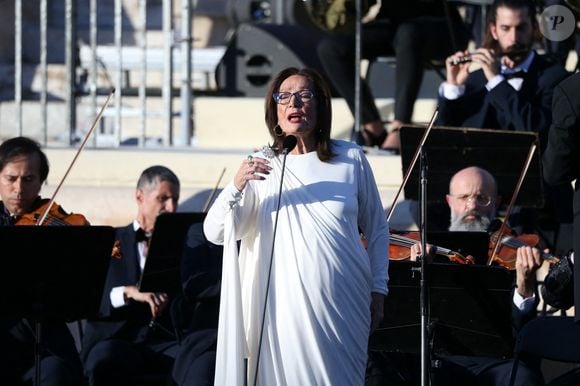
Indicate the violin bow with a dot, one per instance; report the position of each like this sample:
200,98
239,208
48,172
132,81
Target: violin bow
81,147
512,201
413,162
212,194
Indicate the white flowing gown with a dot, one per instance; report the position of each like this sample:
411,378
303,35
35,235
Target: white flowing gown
317,319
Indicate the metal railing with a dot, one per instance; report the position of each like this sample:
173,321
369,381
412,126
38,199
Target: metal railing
93,63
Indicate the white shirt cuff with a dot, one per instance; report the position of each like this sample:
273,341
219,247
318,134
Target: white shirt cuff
524,305
494,82
451,91
117,297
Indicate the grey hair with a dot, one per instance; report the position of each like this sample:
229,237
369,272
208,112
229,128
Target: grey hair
153,175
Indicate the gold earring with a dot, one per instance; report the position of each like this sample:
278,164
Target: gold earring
278,131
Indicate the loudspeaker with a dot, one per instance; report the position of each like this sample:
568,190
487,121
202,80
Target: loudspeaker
257,52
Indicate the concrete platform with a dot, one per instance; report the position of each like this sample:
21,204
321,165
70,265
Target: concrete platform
101,185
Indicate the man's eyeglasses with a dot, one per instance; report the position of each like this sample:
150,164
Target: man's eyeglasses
479,199
283,98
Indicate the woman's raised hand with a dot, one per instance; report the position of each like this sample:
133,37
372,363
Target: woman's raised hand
252,168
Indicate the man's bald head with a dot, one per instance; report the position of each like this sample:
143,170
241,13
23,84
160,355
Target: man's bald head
472,199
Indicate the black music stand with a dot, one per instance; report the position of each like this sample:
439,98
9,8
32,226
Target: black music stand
53,273
502,153
162,267
470,311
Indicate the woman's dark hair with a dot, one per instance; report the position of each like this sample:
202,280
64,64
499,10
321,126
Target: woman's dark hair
321,92
18,146
529,5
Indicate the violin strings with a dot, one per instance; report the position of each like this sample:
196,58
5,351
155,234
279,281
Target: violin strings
53,220
515,243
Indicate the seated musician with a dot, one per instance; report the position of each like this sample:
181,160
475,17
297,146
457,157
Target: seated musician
23,170
135,336
511,90
412,31
473,200
198,309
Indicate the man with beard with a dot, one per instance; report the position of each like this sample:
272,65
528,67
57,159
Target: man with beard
513,88
473,200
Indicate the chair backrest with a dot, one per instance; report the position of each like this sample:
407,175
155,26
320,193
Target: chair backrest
552,337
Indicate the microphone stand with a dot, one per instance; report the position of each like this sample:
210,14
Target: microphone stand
289,144
424,288
357,67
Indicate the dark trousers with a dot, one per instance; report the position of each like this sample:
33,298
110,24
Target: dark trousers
195,362
483,371
400,369
412,42
59,365
118,362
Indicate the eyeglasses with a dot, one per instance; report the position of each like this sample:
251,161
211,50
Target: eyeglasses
479,199
283,98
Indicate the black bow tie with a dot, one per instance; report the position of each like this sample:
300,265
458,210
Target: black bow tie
140,235
516,74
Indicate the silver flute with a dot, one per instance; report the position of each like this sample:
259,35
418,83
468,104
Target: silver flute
463,59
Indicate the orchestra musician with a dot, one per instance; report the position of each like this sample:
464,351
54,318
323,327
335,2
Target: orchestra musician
561,160
512,90
23,170
134,336
415,32
473,199
198,308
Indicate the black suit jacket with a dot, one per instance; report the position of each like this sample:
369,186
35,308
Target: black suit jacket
561,161
528,109
131,321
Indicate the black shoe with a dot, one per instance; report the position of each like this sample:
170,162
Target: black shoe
373,139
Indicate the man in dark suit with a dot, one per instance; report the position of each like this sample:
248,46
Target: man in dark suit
23,170
196,311
473,200
511,91
135,336
561,161
513,88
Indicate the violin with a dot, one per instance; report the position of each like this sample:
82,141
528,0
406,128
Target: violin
400,249
503,251
56,215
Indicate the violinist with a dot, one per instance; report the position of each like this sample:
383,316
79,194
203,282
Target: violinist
511,90
473,199
134,336
23,170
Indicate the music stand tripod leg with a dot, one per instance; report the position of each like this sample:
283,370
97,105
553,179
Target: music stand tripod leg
37,352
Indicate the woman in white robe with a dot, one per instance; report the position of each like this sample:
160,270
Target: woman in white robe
308,321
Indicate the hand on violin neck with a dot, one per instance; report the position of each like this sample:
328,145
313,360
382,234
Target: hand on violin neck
416,251
528,261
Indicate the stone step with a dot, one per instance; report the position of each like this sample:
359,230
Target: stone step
101,185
